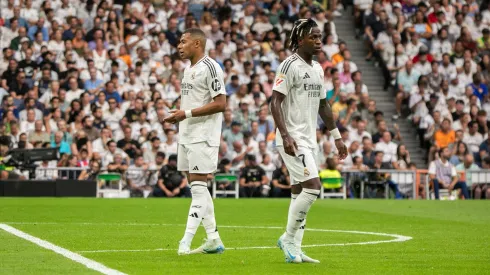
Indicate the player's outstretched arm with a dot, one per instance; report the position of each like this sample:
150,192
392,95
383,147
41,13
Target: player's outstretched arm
289,144
218,105
325,112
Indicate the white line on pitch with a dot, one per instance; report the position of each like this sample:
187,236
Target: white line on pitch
250,247
397,238
62,251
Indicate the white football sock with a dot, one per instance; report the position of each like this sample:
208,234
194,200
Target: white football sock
209,221
299,210
197,210
293,199
298,238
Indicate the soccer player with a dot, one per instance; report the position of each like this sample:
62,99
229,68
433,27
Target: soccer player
298,97
202,103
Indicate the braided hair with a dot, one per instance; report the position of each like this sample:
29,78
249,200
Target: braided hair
301,28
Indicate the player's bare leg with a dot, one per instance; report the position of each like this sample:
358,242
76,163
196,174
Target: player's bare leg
201,209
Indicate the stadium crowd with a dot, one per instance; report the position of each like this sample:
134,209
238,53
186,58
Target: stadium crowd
435,55
96,78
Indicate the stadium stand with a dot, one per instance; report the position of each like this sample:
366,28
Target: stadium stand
96,78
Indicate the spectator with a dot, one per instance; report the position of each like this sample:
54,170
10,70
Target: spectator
252,179
243,115
368,153
39,133
64,147
445,136
109,155
118,165
443,174
89,129
382,128
150,155
379,163
73,173
482,189
281,182
91,173
460,150
235,134
472,138
388,148
467,165
479,89
137,177
402,158
266,126
171,183
130,146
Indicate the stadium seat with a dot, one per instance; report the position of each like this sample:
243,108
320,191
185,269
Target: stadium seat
333,183
223,178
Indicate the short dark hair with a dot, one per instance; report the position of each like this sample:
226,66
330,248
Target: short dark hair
161,154
197,34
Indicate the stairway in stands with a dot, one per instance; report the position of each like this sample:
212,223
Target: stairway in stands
373,78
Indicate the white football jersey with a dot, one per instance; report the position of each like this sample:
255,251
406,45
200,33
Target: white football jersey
302,84
201,83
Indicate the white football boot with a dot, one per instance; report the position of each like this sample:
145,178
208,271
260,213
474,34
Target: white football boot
289,249
210,247
184,248
304,258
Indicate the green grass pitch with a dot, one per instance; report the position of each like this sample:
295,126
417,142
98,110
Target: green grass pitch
448,237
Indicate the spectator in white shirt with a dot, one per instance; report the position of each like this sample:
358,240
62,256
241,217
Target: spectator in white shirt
74,92
137,125
29,13
99,146
473,138
111,152
28,125
170,145
137,177
113,115
150,155
388,147
359,133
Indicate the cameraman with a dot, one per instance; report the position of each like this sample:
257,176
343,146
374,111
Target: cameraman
171,183
7,172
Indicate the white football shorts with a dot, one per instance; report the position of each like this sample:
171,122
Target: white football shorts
302,167
197,158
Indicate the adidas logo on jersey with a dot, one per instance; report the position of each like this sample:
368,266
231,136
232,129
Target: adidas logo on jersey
306,76
195,168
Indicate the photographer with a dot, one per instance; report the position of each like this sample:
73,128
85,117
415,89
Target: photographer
171,183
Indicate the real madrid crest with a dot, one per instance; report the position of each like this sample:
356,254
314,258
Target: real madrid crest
307,173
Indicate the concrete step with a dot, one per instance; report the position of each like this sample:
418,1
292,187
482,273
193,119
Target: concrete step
373,78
